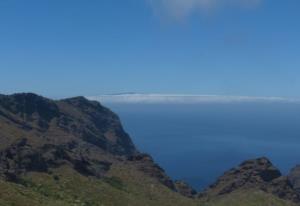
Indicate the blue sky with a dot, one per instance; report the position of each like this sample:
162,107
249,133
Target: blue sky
64,48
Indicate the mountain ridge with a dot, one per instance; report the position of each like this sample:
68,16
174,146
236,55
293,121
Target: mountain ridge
73,131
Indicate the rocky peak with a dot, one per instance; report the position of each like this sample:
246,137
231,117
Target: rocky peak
249,173
260,170
253,174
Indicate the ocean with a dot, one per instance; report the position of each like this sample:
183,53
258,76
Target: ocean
199,142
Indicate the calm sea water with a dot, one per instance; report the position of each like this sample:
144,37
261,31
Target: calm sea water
199,142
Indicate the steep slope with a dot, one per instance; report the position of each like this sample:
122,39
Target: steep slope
43,140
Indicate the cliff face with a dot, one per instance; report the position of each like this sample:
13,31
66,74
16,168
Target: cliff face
61,121
37,133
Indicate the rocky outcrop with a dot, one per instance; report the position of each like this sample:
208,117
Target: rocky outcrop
250,173
185,189
145,163
282,188
259,174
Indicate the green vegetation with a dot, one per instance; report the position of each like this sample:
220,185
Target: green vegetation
248,198
124,186
128,187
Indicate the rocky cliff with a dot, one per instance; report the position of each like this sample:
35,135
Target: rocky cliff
256,174
38,134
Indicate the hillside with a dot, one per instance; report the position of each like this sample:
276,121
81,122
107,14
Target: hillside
73,149
75,152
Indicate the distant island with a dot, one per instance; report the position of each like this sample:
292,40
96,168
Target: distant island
75,152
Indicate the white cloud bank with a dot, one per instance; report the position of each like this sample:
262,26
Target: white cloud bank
185,99
182,8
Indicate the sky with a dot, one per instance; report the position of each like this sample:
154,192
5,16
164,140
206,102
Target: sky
61,48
